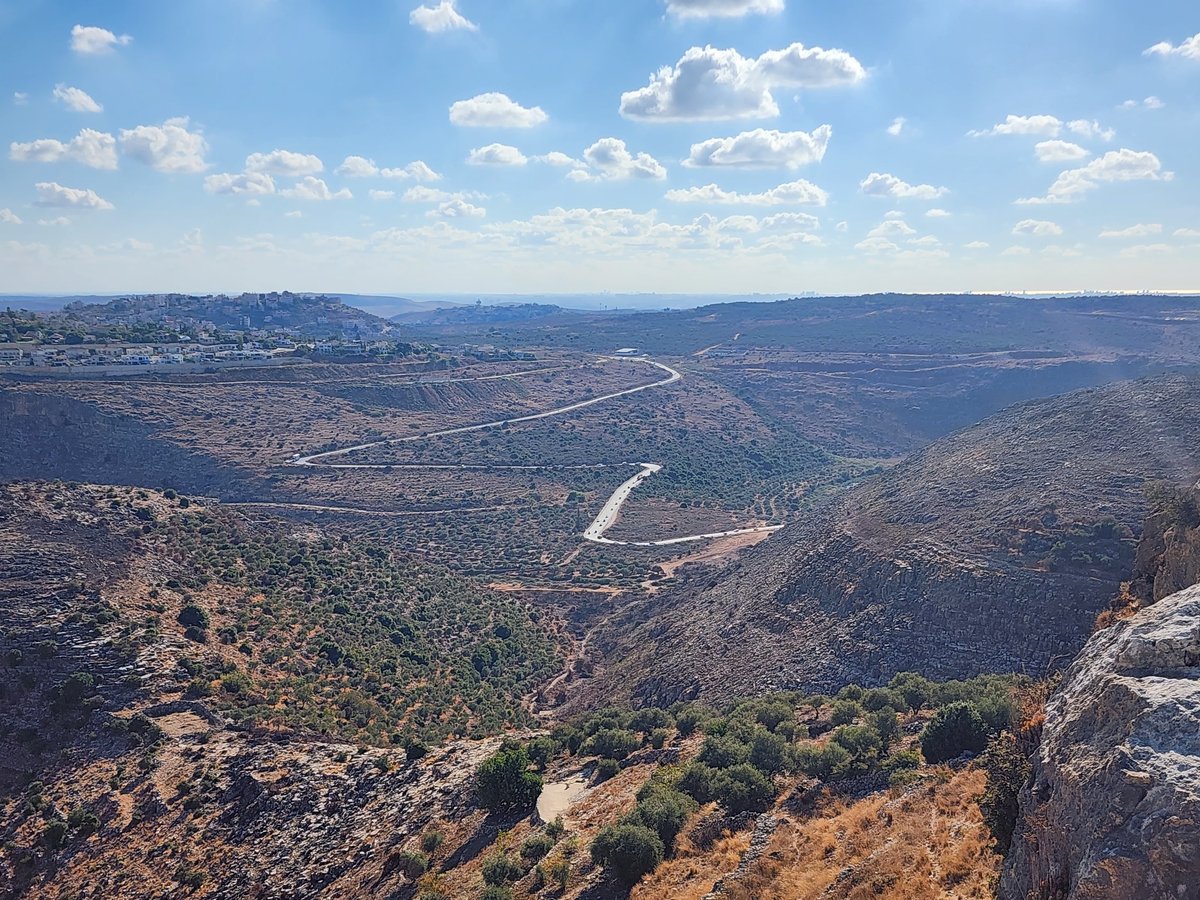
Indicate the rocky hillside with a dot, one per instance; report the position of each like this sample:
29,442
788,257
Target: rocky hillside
1113,807
991,550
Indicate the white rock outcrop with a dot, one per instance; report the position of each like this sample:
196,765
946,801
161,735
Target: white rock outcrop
1113,808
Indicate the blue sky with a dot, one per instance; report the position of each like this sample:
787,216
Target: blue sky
514,146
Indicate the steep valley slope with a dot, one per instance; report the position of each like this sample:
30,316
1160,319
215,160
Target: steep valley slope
992,550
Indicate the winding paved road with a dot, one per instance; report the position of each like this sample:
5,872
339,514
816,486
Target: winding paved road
609,513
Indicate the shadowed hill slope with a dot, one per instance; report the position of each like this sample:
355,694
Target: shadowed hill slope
992,550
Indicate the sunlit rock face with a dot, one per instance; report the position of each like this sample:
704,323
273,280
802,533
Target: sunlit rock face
1113,808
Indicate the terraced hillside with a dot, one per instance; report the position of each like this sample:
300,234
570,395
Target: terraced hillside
991,550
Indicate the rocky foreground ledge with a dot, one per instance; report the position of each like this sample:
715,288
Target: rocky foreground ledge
1113,807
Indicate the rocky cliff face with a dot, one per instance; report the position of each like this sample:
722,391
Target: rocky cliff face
1113,807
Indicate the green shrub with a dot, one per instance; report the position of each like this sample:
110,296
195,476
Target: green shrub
499,868
628,851
862,742
503,781
827,763
902,759
742,787
882,698
845,712
662,809
412,864
55,834
536,846
1007,771
886,725
496,892
956,728
193,615
612,743
850,692
431,841
690,718
914,689
658,738
555,829
722,751
541,750
697,781
769,753
83,821
606,769
650,718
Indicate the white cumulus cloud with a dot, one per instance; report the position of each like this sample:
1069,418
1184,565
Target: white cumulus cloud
1059,151
497,155
762,149
1133,231
169,147
1186,233
936,213
417,171
495,110
1042,126
609,160
285,163
54,195
381,195
1116,165
357,167
727,9
799,193
8,217
91,40
710,84
457,208
1188,49
96,149
75,99
1092,129
1037,228
443,17
253,183
879,184
312,188
897,126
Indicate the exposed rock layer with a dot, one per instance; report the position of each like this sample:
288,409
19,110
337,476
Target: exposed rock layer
1113,807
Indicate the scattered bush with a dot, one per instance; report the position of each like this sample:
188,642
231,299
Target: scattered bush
503,781
845,712
55,834
689,719
412,864
769,753
628,851
662,809
1007,771
431,841
499,869
606,769
956,728
536,846
193,615
827,763
612,743
742,788
722,751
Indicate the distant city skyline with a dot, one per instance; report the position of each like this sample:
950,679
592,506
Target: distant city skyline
723,147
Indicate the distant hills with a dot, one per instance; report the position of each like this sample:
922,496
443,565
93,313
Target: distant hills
993,549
